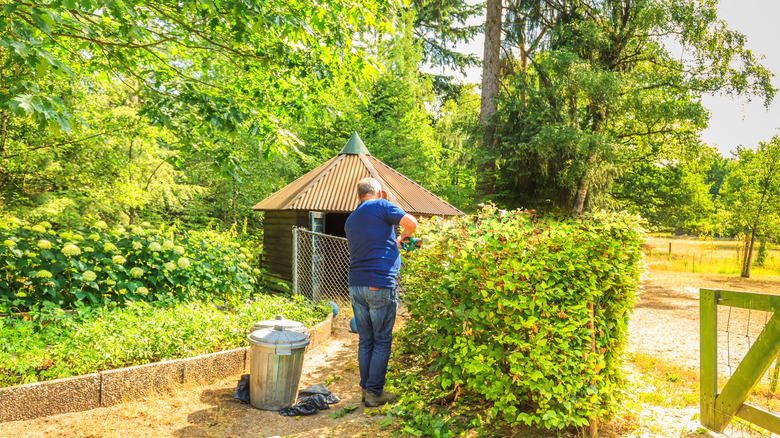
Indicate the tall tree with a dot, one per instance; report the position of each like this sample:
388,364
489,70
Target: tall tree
604,90
491,68
752,193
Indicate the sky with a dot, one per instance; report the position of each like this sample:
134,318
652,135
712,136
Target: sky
733,120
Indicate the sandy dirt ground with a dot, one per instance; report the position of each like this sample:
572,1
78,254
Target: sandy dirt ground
665,324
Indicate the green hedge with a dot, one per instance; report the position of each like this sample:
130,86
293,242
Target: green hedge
98,265
500,306
51,344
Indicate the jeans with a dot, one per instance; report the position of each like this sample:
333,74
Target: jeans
374,316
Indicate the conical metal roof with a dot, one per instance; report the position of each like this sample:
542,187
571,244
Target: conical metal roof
332,187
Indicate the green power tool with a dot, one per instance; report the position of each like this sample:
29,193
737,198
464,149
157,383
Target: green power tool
411,243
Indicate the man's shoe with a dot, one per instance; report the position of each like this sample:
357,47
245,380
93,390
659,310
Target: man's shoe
373,399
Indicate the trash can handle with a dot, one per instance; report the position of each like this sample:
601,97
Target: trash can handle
283,352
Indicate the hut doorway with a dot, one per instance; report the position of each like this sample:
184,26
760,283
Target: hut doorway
334,224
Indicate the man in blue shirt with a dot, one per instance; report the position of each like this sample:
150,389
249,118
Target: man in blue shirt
374,260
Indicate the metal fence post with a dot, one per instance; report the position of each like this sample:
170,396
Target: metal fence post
295,260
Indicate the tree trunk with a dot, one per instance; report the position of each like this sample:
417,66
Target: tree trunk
491,67
582,187
749,240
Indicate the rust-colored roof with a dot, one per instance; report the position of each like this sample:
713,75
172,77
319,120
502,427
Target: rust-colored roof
332,187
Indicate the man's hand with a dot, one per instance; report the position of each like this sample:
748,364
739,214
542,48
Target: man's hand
409,223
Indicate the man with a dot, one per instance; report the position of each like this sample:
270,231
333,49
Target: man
374,259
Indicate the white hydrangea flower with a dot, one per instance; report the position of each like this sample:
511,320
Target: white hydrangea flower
109,247
154,246
94,236
44,224
71,250
89,249
138,245
167,245
183,262
14,220
142,290
178,250
137,272
44,244
118,259
146,224
78,237
102,225
89,276
66,235
243,265
38,229
256,271
9,242
110,281
43,274
120,230
138,231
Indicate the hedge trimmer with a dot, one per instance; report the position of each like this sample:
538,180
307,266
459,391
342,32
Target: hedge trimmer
411,243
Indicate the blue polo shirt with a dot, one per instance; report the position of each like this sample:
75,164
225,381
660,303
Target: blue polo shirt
374,258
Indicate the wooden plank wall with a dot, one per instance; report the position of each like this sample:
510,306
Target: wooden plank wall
277,241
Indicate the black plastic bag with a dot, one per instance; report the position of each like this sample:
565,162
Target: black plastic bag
310,401
307,405
242,390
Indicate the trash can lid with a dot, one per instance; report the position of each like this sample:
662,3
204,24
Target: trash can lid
288,324
278,336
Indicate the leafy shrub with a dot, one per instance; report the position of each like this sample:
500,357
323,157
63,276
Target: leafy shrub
500,309
98,265
54,344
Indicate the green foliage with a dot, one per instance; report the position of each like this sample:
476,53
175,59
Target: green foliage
670,196
751,192
97,265
591,91
500,309
395,120
52,344
201,67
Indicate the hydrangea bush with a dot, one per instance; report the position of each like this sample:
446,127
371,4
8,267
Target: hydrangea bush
98,264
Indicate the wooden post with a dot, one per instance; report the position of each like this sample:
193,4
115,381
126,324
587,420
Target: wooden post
708,326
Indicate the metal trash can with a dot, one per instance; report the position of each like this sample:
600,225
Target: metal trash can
275,364
288,324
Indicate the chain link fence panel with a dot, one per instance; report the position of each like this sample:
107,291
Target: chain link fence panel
320,266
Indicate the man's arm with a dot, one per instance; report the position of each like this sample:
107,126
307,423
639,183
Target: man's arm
409,224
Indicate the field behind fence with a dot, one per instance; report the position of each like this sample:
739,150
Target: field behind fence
707,254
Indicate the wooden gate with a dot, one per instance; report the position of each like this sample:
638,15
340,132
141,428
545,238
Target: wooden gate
718,409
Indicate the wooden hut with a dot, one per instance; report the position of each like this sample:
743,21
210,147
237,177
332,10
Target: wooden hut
322,200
